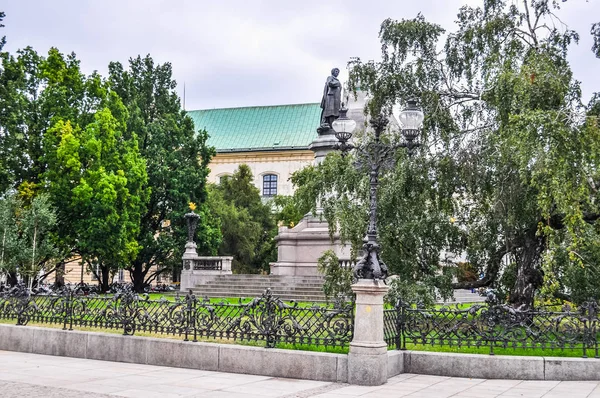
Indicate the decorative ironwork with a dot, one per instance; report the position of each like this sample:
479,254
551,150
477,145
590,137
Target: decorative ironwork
265,319
192,222
494,326
375,155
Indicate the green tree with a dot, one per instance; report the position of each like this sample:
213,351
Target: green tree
507,169
26,245
247,224
9,205
288,211
177,159
337,281
37,93
99,176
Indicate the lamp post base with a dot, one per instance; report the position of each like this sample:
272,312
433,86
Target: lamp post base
367,358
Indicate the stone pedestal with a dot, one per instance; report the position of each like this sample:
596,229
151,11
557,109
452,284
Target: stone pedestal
198,270
323,144
299,248
190,251
367,359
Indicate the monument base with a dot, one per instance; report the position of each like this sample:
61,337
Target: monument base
299,248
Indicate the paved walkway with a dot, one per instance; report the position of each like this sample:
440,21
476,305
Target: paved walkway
31,375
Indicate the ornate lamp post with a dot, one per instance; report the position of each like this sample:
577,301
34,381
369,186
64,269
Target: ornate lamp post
377,155
367,357
191,219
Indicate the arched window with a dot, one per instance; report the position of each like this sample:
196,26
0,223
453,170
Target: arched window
269,185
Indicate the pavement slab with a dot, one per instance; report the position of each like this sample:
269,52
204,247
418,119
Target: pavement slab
25,375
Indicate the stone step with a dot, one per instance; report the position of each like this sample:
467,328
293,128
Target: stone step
280,295
242,284
256,292
268,281
308,299
285,288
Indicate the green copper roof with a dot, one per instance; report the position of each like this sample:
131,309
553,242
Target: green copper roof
259,127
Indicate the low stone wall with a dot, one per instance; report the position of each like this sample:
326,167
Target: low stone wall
283,363
176,353
501,366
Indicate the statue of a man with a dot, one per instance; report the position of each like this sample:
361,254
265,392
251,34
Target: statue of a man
332,99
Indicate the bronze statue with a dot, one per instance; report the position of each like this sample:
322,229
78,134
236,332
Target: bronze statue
331,101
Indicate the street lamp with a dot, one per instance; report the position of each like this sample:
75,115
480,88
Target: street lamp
343,127
377,154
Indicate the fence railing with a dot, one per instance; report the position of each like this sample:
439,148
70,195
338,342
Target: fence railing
266,319
493,327
208,264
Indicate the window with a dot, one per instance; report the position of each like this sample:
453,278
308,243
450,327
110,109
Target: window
269,185
223,177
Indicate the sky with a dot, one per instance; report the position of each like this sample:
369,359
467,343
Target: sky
233,53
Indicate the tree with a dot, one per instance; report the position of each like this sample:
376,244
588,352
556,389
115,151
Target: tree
287,211
508,165
177,159
26,246
9,205
98,176
247,225
36,95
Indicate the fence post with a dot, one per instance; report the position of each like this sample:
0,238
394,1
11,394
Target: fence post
269,325
188,304
193,318
402,330
398,339
67,309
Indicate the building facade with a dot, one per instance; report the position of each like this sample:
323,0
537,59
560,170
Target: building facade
272,140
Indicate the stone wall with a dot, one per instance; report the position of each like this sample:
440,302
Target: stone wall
283,363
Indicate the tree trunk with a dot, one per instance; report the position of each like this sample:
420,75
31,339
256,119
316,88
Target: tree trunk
105,275
12,279
60,275
137,276
529,276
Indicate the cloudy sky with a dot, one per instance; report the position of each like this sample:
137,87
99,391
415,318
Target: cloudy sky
235,53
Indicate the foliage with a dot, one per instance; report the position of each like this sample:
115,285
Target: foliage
177,160
595,32
287,211
26,244
3,39
9,249
466,273
100,175
337,280
507,171
65,134
402,291
247,225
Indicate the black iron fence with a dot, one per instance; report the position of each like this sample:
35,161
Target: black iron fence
493,327
263,319
269,320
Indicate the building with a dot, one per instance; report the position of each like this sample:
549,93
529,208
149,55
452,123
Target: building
272,140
